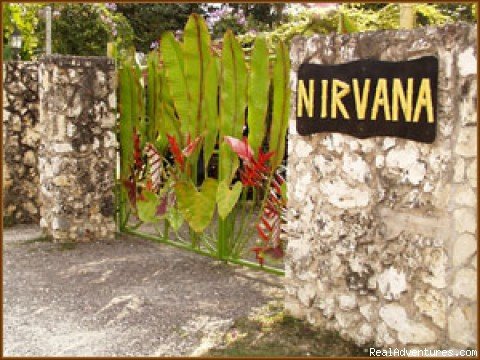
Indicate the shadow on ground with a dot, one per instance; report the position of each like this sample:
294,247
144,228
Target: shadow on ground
129,297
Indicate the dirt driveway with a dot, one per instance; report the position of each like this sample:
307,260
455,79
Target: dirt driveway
124,297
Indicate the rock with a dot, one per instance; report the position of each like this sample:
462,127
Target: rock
435,260
61,180
306,294
432,304
62,148
467,62
465,284
472,173
29,158
460,329
355,168
303,149
383,337
339,194
465,220
347,302
31,137
30,207
367,312
60,223
363,335
467,142
409,332
392,283
464,195
464,247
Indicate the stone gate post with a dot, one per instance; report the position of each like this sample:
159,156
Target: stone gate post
382,231
77,154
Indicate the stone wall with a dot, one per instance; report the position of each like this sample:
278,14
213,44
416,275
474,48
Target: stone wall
77,155
20,143
382,231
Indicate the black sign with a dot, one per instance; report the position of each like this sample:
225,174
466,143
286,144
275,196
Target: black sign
368,98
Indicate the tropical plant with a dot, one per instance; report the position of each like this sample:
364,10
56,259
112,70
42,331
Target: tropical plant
196,105
25,17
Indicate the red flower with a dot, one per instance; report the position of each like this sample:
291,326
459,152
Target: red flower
177,153
180,155
240,147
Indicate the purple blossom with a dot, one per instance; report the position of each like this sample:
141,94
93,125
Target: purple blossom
154,45
111,6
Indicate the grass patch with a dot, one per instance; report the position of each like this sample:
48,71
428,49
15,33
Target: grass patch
67,246
39,239
269,332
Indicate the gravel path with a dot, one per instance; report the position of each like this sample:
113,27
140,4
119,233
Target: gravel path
124,297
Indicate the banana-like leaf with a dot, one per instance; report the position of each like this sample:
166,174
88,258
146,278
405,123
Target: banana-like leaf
196,50
177,84
175,218
228,164
147,207
281,105
154,88
138,102
227,198
233,94
258,86
197,207
233,88
126,121
211,110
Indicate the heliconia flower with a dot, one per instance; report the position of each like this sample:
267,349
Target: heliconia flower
177,153
275,252
131,186
240,147
191,146
180,155
137,153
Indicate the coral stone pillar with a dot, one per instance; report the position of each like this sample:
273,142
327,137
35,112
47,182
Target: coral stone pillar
78,147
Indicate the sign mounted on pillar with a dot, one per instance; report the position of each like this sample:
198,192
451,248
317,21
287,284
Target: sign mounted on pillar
367,98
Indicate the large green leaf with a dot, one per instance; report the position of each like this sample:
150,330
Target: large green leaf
228,163
258,86
154,123
211,110
233,85
177,84
147,207
227,198
281,104
233,96
197,207
125,122
175,218
196,49
138,103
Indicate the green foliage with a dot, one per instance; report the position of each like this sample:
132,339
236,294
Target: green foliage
25,16
149,20
281,105
233,99
258,94
197,207
227,198
354,17
85,29
147,209
77,29
192,96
